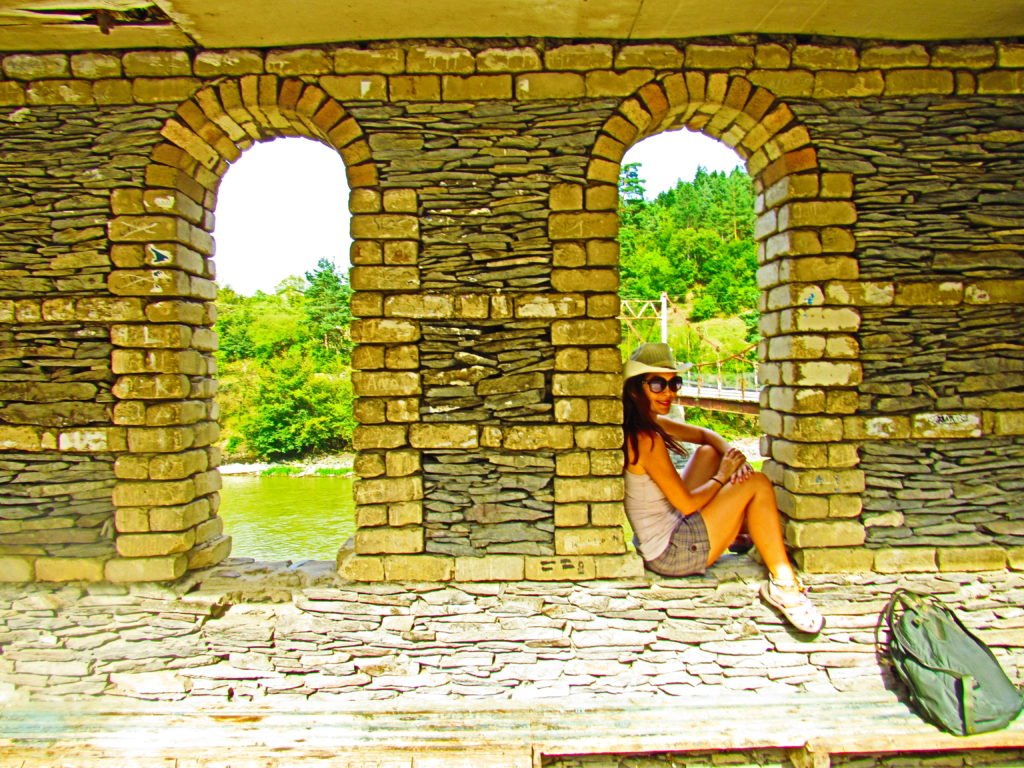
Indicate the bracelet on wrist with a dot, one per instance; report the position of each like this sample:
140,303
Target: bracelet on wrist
718,481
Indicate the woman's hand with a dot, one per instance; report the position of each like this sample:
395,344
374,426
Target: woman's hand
734,466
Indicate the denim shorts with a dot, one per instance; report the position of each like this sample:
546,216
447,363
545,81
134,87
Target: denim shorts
687,551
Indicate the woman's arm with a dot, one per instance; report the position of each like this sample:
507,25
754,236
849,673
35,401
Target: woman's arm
656,462
689,433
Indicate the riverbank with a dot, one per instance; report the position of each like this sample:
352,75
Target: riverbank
341,464
320,466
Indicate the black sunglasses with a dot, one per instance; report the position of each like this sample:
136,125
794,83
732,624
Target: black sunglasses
657,384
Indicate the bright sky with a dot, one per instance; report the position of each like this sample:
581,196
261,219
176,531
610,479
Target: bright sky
284,204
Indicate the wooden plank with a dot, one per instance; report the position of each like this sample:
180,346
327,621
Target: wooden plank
517,736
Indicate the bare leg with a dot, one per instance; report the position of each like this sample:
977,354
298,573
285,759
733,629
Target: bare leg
704,463
751,502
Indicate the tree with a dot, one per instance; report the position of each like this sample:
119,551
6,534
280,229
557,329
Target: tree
300,411
694,242
328,310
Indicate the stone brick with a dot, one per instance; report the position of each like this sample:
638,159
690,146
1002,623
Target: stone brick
848,85
818,319
156,63
385,227
490,568
476,87
538,437
784,84
419,306
586,385
585,280
360,568
379,541
135,569
94,66
589,541
821,57
719,56
11,93
560,568
444,436
153,494
155,544
69,568
970,559
929,294
796,400
906,560
834,560
415,88
228,62
94,439
579,57
387,490
585,332
299,61
822,373
603,83
22,66
819,534
657,55
896,56
179,518
571,515
372,437
157,90
994,292
582,226
823,481
877,427
812,429
508,60
430,568
604,489
946,425
384,60
913,82
970,56
16,569
440,60
356,87
56,92
385,383
816,214
550,85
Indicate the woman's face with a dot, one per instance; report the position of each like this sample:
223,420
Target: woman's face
660,403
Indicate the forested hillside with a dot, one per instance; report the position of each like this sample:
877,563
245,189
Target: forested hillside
694,242
285,358
285,367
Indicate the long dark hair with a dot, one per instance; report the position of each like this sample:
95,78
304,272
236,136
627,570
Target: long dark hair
636,419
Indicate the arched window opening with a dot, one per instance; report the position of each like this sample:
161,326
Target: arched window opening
688,273
284,357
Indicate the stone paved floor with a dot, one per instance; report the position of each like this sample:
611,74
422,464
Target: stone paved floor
284,635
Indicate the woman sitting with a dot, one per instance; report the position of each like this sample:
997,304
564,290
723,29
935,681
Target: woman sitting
685,520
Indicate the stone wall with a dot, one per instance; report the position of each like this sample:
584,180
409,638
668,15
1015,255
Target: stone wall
483,202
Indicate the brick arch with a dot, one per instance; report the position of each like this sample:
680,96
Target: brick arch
810,354
165,495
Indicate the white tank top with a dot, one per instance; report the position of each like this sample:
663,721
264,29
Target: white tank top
651,514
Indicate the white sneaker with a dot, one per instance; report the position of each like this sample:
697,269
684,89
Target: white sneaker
793,604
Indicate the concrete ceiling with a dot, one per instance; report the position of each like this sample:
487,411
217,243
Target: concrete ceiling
40,25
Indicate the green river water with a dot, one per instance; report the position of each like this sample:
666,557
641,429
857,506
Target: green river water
287,518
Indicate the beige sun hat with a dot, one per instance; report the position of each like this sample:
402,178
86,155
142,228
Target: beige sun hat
652,358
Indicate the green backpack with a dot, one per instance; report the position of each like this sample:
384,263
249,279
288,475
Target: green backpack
954,680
